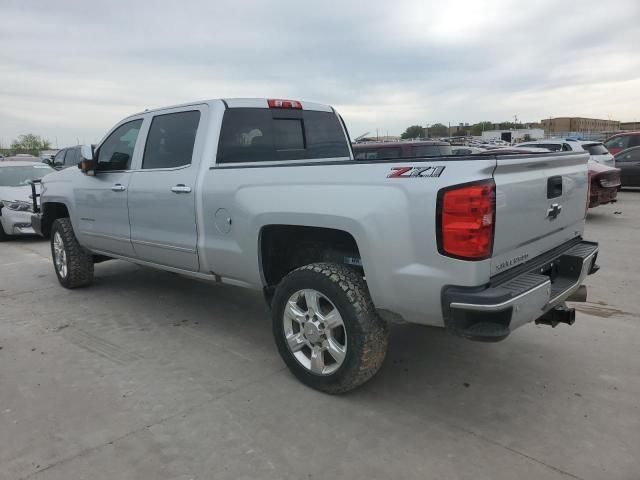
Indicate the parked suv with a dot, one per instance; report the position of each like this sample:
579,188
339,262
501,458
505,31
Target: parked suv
67,157
597,150
622,141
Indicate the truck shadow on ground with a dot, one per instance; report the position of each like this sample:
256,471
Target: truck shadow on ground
425,367
606,217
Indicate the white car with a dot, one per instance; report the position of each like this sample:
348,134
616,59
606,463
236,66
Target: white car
597,151
16,204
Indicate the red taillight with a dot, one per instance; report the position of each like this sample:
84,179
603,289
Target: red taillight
466,221
273,103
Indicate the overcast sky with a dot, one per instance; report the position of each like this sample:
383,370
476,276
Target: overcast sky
70,69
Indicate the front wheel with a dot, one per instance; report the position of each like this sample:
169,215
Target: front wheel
326,327
72,263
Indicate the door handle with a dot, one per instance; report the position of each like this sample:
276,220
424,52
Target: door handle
118,188
181,188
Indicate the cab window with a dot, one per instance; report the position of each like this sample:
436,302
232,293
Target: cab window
58,160
630,156
259,135
171,140
116,152
618,142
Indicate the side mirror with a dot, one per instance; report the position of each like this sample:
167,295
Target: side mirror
86,152
87,163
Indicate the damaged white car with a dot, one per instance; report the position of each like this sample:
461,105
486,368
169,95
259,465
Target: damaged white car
16,202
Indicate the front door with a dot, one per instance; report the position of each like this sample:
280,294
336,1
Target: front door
101,200
162,205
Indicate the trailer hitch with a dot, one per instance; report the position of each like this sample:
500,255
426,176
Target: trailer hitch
559,314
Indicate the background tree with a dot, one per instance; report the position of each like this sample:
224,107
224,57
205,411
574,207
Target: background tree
30,143
510,125
438,130
414,131
480,127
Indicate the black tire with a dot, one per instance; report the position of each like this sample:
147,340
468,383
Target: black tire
79,272
3,236
366,333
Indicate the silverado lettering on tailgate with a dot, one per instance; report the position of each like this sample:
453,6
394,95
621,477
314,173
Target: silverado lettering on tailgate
512,262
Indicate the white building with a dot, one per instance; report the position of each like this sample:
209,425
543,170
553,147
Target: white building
514,136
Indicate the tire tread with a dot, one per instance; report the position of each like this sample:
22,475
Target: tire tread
79,261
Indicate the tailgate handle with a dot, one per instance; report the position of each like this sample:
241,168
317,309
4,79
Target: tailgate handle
554,187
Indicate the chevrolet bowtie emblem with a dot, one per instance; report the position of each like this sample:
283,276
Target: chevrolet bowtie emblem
554,211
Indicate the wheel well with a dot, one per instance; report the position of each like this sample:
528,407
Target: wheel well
50,213
284,248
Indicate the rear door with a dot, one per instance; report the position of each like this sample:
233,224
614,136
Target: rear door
629,164
540,204
162,200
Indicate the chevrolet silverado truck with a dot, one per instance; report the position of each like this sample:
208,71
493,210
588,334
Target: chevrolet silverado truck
266,194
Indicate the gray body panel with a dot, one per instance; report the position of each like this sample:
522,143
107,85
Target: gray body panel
214,231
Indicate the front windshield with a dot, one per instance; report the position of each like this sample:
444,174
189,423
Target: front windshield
19,175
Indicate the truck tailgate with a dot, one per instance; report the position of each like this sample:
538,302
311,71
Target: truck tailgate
540,204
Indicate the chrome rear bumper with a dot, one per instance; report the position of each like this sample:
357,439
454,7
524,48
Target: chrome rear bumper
490,314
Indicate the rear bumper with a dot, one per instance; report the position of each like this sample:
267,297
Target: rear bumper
490,314
603,195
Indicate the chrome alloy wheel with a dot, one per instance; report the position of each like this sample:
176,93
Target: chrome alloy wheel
315,332
60,255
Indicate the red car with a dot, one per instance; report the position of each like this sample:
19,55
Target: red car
621,141
604,183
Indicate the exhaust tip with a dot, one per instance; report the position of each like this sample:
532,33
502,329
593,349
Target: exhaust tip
580,295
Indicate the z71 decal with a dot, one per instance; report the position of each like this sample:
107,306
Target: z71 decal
406,172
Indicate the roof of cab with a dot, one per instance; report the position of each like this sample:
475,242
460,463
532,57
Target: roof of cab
262,103
239,103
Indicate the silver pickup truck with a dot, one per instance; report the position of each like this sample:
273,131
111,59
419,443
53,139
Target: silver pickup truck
266,194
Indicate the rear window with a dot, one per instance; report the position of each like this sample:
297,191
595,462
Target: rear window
263,135
596,149
383,153
431,150
554,147
72,157
618,142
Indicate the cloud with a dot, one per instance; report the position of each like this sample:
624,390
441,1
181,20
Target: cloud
70,69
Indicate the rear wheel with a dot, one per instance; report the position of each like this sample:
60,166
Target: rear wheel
72,263
326,327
